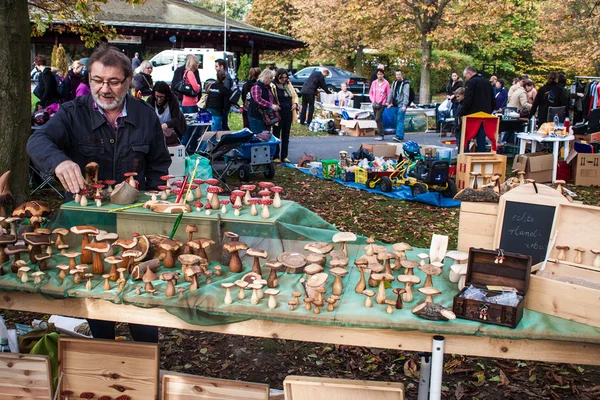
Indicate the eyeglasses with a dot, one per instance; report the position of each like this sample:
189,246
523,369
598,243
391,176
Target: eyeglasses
283,77
113,83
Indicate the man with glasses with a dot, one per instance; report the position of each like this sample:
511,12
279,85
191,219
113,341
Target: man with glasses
119,132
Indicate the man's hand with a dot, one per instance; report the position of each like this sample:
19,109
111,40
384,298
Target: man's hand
403,108
275,107
389,106
164,126
69,175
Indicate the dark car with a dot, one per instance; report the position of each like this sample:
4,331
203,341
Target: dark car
337,76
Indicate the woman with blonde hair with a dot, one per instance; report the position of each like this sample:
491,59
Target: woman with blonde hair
142,81
262,103
188,104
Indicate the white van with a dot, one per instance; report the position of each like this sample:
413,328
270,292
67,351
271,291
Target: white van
167,61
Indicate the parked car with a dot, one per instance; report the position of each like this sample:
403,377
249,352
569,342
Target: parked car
337,76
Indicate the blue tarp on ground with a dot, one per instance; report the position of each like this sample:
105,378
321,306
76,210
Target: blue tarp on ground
399,192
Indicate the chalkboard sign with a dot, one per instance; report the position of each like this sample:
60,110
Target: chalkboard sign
526,229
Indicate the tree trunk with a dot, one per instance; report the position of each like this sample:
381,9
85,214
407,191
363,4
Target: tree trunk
358,63
597,67
15,95
424,88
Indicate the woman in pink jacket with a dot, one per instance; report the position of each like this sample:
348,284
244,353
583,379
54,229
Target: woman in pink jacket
378,94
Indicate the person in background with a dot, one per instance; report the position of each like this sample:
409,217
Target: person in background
549,95
373,77
479,96
287,99
178,76
493,80
531,93
167,110
119,132
84,85
501,95
74,78
519,101
142,81
48,90
218,101
221,65
344,95
252,77
453,83
261,97
459,95
189,104
520,83
135,61
309,90
562,82
378,94
398,98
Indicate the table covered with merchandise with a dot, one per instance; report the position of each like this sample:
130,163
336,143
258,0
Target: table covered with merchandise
288,229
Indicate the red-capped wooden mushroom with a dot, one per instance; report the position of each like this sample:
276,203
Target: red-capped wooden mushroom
208,207
236,209
167,179
110,183
276,196
224,203
164,191
265,194
98,187
266,185
265,210
253,210
238,195
131,179
83,193
190,196
98,200
214,198
248,195
198,205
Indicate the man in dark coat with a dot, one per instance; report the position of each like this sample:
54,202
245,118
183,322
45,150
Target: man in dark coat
315,81
135,61
47,85
479,97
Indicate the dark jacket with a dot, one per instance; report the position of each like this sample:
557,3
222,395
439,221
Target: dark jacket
452,86
177,120
80,133
501,98
48,88
246,90
479,97
549,95
142,82
315,81
254,106
74,81
218,99
178,76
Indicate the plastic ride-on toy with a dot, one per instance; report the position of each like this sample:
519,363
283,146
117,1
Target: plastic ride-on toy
416,171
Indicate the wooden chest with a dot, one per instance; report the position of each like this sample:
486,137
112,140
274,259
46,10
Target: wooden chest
483,271
487,164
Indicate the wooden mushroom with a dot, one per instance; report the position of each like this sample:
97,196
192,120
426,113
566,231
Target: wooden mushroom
171,279
344,237
387,258
458,274
85,231
37,277
242,285
192,272
337,288
274,266
319,247
200,245
429,292
400,249
272,303
579,254
187,261
422,257
169,247
227,286
315,282
596,253
361,264
390,306
106,278
381,279
399,292
430,270
409,281
235,262
475,176
562,252
98,248
113,261
370,249
257,254
368,294
409,266
63,271
374,269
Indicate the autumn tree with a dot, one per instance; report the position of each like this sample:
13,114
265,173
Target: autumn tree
18,20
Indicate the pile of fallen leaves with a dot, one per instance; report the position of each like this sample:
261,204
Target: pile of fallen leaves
270,361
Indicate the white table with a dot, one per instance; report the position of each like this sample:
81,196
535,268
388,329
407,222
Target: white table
534,139
199,129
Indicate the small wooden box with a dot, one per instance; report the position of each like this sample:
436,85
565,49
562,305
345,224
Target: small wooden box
482,271
567,289
487,164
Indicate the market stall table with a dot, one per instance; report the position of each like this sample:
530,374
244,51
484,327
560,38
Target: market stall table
534,139
538,337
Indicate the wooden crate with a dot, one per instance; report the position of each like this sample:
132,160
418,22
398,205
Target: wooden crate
309,388
514,272
575,225
189,387
25,376
477,225
108,367
487,164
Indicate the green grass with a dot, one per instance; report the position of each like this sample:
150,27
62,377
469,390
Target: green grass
236,124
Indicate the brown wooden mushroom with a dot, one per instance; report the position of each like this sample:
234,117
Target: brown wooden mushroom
368,300
429,292
293,262
193,272
430,270
361,264
200,245
113,261
98,248
169,247
319,247
387,258
314,258
344,237
171,279
15,252
374,269
257,254
274,266
233,247
579,254
36,241
390,306
381,279
337,288
562,252
399,292
400,249
85,231
409,281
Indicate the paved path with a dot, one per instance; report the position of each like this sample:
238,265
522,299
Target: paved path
328,147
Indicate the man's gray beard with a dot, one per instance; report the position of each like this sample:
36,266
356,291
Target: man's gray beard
108,107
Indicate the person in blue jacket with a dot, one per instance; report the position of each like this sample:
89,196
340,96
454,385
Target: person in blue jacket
501,95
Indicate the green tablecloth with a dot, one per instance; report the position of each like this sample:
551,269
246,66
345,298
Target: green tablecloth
290,232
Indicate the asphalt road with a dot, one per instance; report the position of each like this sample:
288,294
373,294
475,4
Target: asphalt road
328,147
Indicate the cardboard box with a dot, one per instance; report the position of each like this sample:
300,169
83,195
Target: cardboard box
380,150
586,169
587,137
337,122
359,127
537,166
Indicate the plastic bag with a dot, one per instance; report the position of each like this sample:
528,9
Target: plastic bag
445,106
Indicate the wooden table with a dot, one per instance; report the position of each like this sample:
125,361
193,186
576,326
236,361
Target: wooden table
536,350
